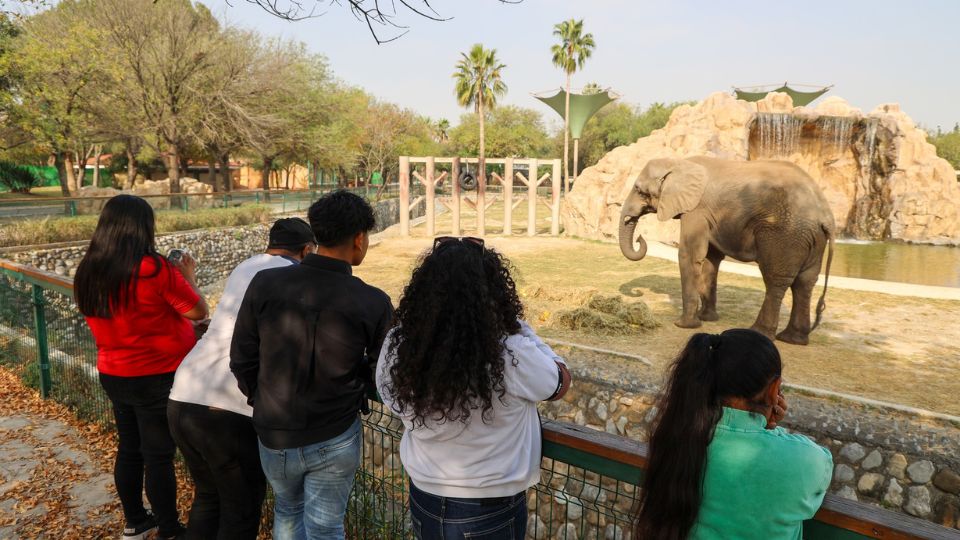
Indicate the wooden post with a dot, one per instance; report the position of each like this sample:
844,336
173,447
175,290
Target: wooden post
555,192
481,192
532,198
455,193
404,196
508,197
431,198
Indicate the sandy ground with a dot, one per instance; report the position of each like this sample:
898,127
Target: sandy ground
875,345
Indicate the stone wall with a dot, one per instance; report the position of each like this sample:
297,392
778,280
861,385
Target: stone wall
882,179
886,458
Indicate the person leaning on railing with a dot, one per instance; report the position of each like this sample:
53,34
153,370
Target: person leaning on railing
465,373
210,419
719,465
139,307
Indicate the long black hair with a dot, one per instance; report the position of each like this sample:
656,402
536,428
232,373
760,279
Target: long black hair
737,363
111,266
450,324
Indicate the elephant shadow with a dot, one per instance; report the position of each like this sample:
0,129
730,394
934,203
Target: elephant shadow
734,304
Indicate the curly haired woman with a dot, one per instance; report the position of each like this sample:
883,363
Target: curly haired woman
465,373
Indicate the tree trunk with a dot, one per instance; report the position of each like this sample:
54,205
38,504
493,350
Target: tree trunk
97,152
212,173
131,167
566,138
71,174
576,156
173,168
482,157
60,161
265,172
225,177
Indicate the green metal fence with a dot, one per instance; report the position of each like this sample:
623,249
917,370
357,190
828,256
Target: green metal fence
589,479
282,200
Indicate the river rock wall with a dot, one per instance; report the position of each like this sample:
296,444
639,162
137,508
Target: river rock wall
882,179
889,459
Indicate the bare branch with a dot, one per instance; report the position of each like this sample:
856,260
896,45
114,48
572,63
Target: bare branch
369,12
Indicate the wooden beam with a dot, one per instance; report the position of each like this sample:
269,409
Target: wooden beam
431,197
532,198
507,182
555,196
404,196
455,190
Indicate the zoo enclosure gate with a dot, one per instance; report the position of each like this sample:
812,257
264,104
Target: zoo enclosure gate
526,171
589,479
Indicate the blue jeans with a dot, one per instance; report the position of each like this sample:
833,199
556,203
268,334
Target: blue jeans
311,486
449,518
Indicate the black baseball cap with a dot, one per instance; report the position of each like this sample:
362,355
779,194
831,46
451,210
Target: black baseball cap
290,233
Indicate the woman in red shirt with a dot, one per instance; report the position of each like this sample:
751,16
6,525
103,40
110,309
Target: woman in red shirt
139,307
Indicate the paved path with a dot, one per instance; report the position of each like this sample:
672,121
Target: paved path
54,478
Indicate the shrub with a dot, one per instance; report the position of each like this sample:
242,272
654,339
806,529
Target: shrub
66,229
17,178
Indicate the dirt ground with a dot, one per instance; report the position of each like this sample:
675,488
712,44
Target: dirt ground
897,349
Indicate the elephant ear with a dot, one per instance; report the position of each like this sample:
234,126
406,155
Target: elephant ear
682,189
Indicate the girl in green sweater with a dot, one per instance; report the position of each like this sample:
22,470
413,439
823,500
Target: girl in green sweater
719,465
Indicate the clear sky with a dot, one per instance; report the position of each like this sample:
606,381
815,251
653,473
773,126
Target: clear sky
873,52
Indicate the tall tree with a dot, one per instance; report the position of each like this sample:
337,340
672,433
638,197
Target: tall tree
442,130
570,55
58,63
478,83
167,50
511,131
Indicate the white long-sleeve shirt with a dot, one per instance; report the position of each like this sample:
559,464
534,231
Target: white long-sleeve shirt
477,459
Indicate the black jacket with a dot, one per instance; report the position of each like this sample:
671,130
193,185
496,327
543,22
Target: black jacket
305,340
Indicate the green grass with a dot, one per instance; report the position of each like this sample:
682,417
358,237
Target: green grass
35,193
65,229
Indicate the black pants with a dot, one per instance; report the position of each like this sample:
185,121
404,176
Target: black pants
220,448
145,451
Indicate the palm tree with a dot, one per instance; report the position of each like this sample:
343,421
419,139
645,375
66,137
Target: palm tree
570,55
478,83
441,130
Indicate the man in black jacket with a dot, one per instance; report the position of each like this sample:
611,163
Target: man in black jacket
302,347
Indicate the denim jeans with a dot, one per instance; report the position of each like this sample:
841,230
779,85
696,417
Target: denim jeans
220,449
311,486
145,449
449,518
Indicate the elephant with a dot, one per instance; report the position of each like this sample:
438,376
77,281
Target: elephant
770,212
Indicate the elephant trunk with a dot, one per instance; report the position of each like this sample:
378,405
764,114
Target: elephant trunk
628,225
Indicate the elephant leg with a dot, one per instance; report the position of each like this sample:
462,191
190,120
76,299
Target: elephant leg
708,285
693,251
798,330
768,318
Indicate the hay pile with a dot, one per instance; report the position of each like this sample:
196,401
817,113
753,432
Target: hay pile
595,312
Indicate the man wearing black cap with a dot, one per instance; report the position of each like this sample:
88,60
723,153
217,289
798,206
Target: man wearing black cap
302,347
209,417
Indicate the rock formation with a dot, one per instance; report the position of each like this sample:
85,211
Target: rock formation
882,178
150,190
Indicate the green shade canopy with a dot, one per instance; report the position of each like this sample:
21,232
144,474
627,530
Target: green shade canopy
582,107
799,98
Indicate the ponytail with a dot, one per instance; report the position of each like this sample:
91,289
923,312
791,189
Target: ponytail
710,368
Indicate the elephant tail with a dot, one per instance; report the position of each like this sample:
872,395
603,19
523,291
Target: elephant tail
822,304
